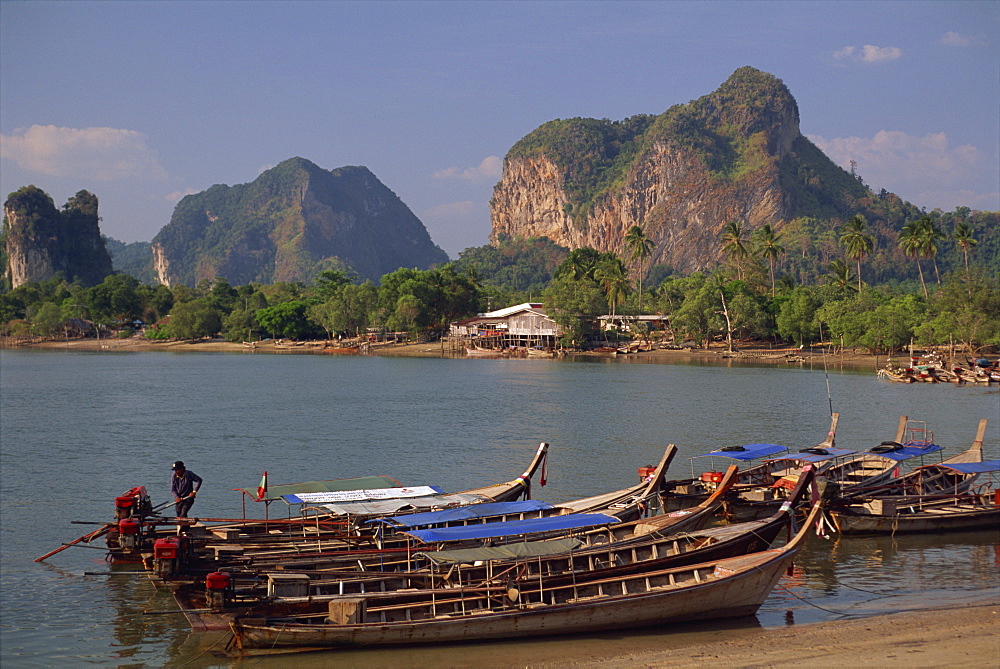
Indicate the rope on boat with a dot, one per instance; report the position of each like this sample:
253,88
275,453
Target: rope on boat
802,599
199,655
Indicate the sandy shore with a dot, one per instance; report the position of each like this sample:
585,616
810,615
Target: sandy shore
948,637
431,350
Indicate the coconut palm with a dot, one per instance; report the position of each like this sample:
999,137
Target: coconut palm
963,237
840,275
640,247
611,274
857,243
911,242
930,235
767,244
734,246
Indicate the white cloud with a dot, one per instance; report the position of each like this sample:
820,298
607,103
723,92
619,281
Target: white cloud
952,38
177,195
876,54
926,170
105,154
490,168
868,53
845,52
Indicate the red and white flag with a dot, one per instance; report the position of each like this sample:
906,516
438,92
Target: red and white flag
262,488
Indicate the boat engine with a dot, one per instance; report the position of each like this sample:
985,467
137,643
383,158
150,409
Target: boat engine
711,480
169,556
129,533
133,502
218,590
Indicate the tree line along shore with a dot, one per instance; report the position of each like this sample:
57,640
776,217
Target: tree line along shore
742,299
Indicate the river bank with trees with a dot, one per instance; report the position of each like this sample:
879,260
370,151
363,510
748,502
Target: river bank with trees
753,296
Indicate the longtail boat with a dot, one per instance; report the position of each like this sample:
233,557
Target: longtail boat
554,558
882,462
924,513
142,528
935,479
592,601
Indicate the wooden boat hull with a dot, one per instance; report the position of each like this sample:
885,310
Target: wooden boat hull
726,595
945,519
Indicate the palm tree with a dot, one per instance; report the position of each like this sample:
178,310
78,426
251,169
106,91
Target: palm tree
857,242
930,235
767,243
640,247
963,237
611,274
911,241
733,245
840,275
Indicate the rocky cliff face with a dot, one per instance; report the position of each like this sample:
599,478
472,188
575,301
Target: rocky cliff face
292,222
41,240
734,154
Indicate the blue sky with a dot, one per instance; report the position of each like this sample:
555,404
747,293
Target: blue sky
143,102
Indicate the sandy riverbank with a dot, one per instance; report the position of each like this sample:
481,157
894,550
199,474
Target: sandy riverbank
430,350
955,636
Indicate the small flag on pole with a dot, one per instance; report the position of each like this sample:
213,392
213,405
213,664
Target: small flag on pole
262,488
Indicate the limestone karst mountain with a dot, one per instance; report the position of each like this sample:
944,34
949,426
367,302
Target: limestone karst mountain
735,154
40,240
289,224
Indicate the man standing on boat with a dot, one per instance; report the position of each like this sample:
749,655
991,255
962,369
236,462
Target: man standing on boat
183,486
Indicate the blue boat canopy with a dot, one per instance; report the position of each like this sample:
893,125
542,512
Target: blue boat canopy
512,528
973,467
907,452
746,452
827,454
470,512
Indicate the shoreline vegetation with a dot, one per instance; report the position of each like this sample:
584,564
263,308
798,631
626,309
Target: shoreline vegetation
443,349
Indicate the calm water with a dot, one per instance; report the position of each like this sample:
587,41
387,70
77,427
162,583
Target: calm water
77,429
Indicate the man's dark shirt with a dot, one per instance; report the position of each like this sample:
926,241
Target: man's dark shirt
182,486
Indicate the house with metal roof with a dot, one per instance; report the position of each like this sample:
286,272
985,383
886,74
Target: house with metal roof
524,325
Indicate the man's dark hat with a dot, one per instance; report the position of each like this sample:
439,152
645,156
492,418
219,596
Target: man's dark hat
178,465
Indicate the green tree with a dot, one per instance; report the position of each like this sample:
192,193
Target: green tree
918,239
195,319
639,247
348,311
574,305
329,282
856,242
47,319
796,318
115,299
768,243
734,245
963,237
579,264
612,276
699,315
968,314
241,325
930,236
286,320
840,276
